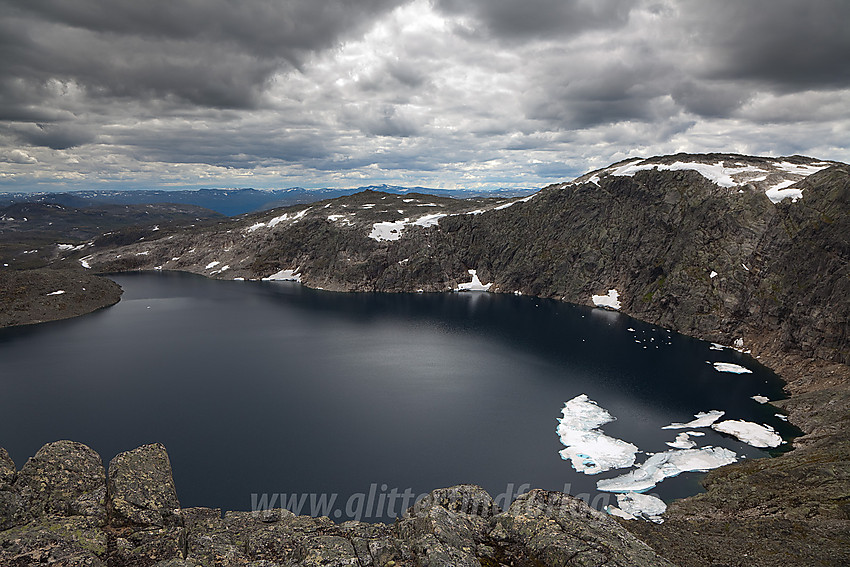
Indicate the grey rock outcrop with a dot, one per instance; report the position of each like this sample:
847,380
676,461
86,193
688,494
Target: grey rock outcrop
144,525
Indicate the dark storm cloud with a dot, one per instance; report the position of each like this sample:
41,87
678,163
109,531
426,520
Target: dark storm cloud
54,136
536,18
788,44
215,53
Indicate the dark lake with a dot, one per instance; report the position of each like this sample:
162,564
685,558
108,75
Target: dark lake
272,388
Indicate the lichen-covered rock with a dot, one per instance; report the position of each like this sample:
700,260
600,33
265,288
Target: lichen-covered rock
10,501
55,540
557,529
8,472
145,548
63,478
141,488
326,551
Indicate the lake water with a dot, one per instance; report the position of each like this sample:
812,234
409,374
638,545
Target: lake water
270,388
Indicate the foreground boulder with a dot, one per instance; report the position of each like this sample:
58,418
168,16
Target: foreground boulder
63,509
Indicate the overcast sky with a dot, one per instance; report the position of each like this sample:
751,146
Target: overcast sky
441,93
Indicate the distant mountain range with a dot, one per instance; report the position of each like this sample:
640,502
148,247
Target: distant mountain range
233,202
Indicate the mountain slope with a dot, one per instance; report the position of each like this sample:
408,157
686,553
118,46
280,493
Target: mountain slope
686,242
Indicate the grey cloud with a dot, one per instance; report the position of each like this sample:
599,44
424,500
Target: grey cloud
213,53
788,44
55,136
711,98
510,19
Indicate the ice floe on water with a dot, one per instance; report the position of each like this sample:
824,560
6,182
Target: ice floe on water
633,505
750,433
475,284
702,419
683,440
668,464
588,449
733,368
760,399
610,301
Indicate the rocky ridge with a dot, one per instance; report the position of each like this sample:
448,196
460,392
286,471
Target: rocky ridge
62,508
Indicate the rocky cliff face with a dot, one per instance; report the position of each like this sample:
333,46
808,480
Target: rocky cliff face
61,508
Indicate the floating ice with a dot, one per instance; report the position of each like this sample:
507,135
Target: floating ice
729,367
750,433
642,506
761,399
667,464
475,284
284,276
610,301
683,441
588,449
703,419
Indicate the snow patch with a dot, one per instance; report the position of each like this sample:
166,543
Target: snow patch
212,265
588,449
610,301
750,433
285,217
717,173
387,230
84,264
429,220
57,292
284,276
69,247
713,274
777,193
475,284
